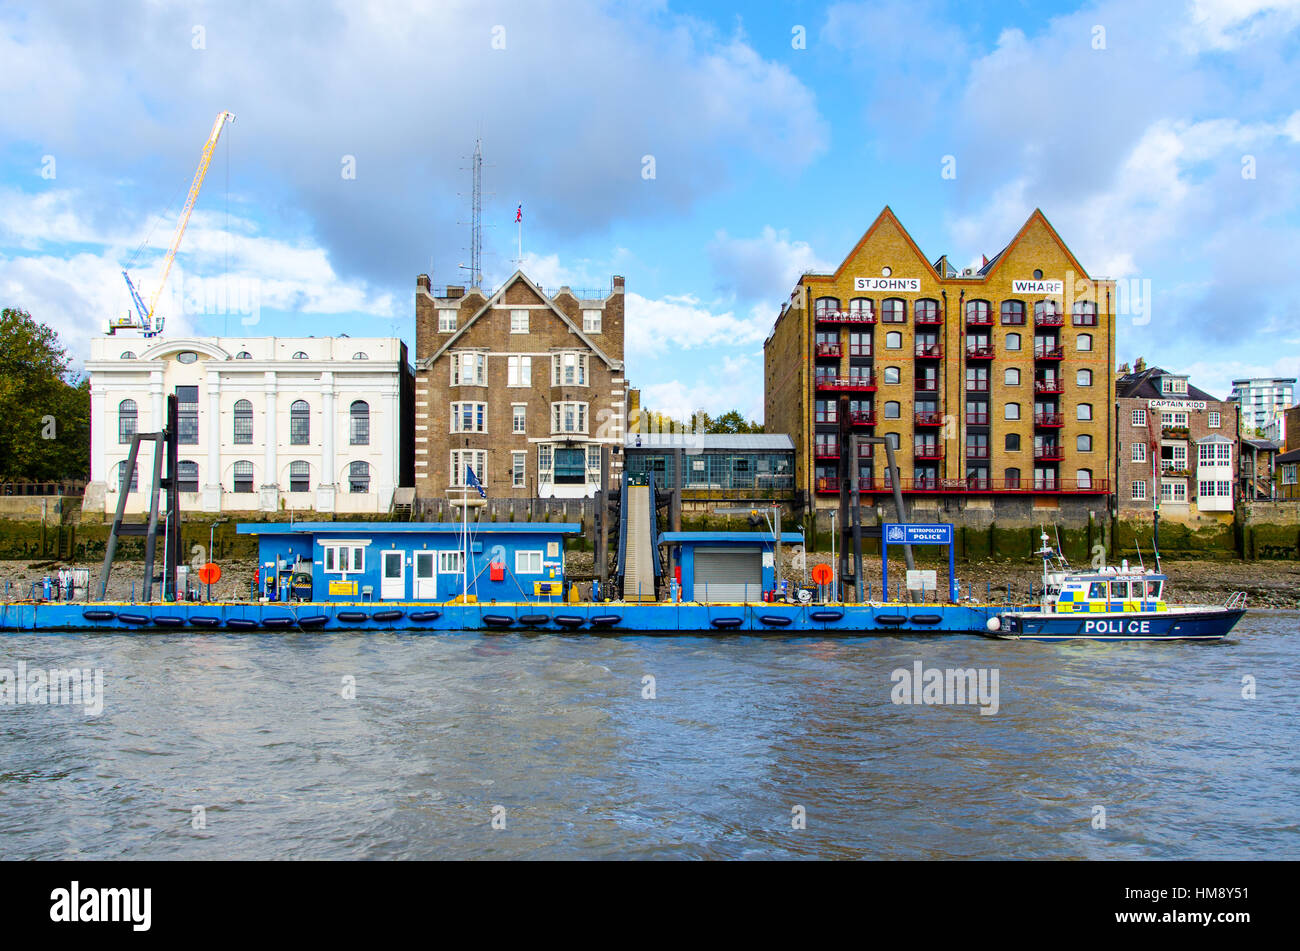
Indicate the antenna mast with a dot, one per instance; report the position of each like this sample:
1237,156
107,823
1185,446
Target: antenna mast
476,223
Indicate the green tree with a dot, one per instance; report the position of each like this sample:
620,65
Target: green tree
44,405
732,422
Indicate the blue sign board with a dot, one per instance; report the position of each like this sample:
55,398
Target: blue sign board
932,534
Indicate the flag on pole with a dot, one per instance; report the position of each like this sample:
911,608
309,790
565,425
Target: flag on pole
519,213
473,482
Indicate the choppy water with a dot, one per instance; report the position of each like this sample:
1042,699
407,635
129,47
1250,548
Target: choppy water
742,730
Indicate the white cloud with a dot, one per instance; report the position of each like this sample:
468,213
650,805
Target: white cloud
1229,24
764,267
736,383
657,327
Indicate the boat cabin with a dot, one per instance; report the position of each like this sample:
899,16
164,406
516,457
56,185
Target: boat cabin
410,561
1122,589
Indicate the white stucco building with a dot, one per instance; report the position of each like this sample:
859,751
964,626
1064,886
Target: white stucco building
266,423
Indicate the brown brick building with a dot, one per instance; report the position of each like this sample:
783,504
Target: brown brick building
1173,442
994,382
522,385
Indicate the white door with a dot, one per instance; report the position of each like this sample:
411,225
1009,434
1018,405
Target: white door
426,577
392,566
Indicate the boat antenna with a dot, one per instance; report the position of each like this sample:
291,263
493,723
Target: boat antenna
1059,554
1138,545
1157,552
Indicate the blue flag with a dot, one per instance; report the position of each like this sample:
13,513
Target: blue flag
472,480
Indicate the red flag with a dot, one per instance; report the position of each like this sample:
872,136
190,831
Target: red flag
519,213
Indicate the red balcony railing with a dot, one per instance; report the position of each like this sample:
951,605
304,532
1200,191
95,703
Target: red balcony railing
929,419
976,485
845,317
826,450
1049,419
832,484
927,384
979,320
977,386
927,450
1049,353
1049,386
857,384
931,351
984,352
829,350
977,452
929,320
977,419
862,419
1049,453
1049,320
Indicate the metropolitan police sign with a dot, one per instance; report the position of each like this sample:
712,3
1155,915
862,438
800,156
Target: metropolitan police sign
932,534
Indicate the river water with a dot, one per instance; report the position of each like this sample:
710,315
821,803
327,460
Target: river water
548,746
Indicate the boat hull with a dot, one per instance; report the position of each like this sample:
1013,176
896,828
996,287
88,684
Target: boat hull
1176,624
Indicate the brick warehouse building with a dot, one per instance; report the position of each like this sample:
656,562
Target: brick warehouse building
523,385
1169,426
995,383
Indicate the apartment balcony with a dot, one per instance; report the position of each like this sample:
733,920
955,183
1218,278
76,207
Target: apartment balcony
977,453
979,353
862,383
1049,320
977,386
862,419
845,317
929,419
1049,386
932,351
829,485
829,350
1049,453
927,385
1000,486
980,320
826,450
1049,353
977,419
929,320
1049,419
927,450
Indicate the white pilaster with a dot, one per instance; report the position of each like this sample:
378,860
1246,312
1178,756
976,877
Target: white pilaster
325,484
269,494
212,481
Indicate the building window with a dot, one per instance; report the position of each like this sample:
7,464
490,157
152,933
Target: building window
893,340
1173,491
978,312
468,369
1083,442
344,559
299,476
359,423
591,321
1083,343
1013,341
1011,411
894,441
299,423
121,476
127,355
1013,312
187,476
1213,421
1139,492
1290,471
1085,313
519,321
517,463
187,399
593,463
528,562
519,418
243,355
1139,452
243,476
570,466
891,374
1173,419
1083,479
469,417
243,433
451,562
891,410
300,355
1083,378
826,305
860,307
463,459
360,356
446,320
893,310
1011,377
568,417
519,371
1139,417
358,477
545,464
569,369
1012,478
1083,411
128,420
1012,442
1214,454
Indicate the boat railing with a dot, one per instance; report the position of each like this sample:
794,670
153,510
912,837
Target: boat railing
1236,601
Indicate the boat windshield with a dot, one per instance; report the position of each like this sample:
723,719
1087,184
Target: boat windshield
1119,590
1097,591
1153,590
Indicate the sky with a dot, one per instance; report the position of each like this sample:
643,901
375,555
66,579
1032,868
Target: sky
708,152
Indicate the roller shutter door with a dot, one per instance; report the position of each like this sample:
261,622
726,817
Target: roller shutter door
728,574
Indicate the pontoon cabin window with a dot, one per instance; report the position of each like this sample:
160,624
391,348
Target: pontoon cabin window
1097,591
344,559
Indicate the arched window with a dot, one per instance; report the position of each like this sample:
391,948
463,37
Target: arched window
128,355
1084,342
360,423
826,305
121,477
893,340
893,440
187,476
860,307
1047,313
1083,479
243,476
299,423
299,476
244,424
1085,313
128,420
358,477
1011,411
363,356
1083,411
1011,478
926,311
1083,378
891,374
893,310
1012,442
1083,442
891,410
1013,312
300,355
243,355
1011,377
979,312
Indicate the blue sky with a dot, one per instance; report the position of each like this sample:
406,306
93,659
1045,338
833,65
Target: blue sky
1162,139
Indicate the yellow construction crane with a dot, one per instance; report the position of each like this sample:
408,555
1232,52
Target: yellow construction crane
148,326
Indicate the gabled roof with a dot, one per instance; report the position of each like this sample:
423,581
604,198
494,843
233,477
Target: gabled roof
1289,457
497,299
1142,385
886,216
1037,216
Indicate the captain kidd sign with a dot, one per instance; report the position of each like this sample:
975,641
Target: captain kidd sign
912,284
